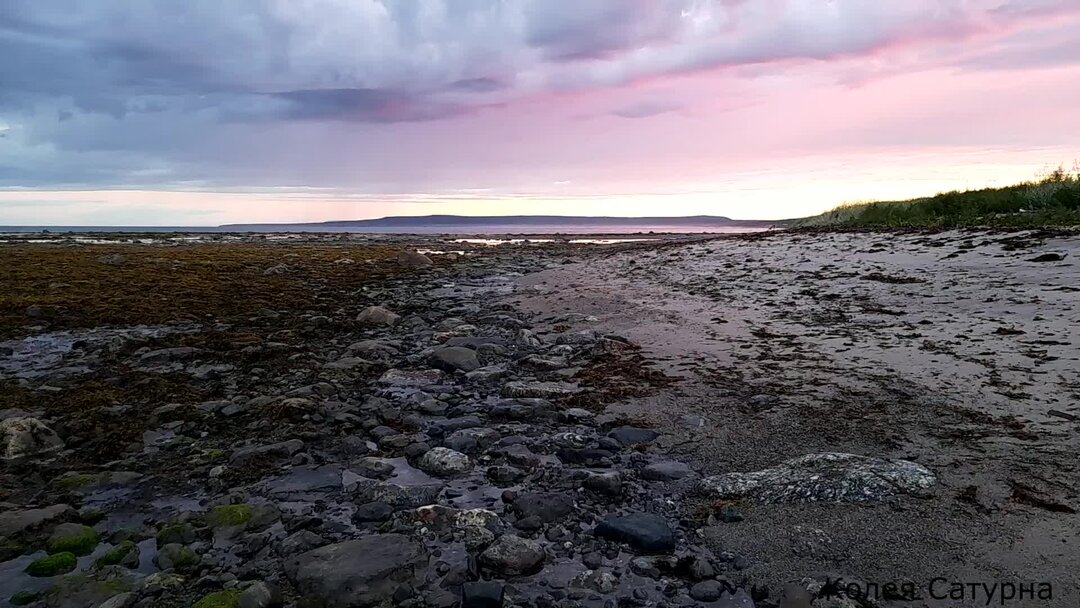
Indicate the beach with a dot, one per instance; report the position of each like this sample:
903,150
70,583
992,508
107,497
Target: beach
417,420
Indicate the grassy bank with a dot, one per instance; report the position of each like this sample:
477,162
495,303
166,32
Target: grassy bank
1053,200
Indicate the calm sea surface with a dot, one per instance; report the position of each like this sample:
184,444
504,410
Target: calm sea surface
434,229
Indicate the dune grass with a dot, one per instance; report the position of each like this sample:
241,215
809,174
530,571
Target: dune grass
1053,200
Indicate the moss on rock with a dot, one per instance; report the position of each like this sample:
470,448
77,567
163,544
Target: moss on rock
229,516
126,553
23,598
60,563
72,538
230,598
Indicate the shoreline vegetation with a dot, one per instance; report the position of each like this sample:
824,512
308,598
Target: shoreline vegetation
1053,200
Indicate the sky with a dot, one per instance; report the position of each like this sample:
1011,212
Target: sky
203,112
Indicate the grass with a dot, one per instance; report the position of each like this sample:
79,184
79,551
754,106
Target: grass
1053,200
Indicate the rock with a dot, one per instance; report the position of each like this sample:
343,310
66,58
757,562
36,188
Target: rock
1049,257
273,451
25,436
219,599
514,556
410,258
259,595
795,595
412,378
299,542
123,600
644,532
548,507
373,511
125,554
707,591
543,390
451,358
489,374
72,538
398,497
631,435
592,457
175,556
825,477
577,415
482,594
377,315
60,563
608,484
14,523
444,462
113,259
669,470
358,573
600,581
168,355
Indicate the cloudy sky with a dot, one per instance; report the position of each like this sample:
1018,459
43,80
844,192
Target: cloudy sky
149,112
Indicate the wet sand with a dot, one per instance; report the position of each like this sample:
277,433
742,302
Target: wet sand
956,350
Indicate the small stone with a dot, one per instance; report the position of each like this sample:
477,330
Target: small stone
630,435
707,591
451,358
444,462
259,595
175,556
410,258
608,484
482,594
377,315
669,470
514,556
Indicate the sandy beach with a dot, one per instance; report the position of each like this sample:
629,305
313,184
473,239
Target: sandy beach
956,350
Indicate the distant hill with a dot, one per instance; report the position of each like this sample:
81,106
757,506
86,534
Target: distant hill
522,221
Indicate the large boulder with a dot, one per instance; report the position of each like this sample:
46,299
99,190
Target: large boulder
358,573
24,436
825,477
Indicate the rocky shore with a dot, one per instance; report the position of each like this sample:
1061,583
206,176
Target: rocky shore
491,427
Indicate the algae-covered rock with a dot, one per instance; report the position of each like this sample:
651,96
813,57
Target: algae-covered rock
60,563
230,598
229,516
72,538
125,554
24,598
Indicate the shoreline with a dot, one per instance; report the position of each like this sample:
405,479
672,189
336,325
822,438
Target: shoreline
590,383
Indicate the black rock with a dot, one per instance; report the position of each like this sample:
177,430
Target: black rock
644,532
373,511
482,594
632,435
1048,257
589,457
547,507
